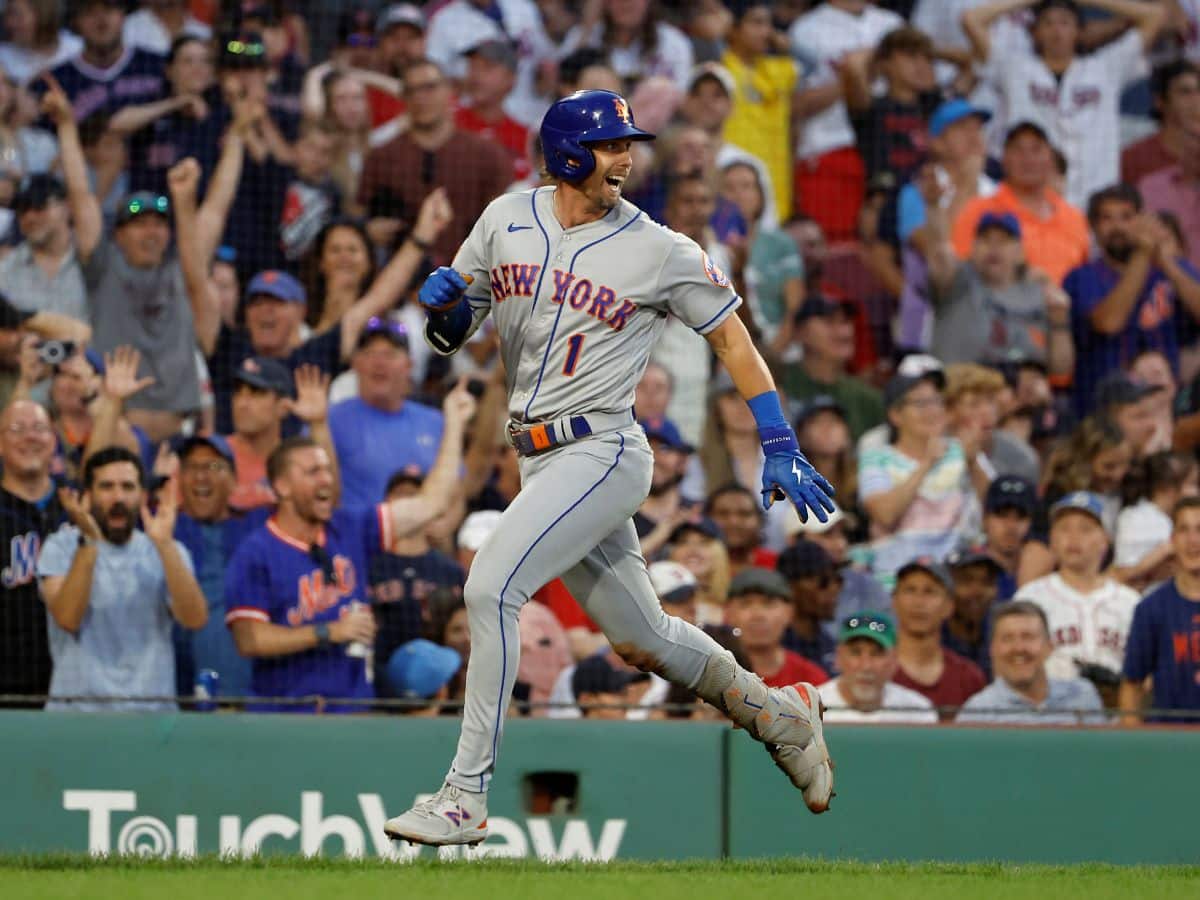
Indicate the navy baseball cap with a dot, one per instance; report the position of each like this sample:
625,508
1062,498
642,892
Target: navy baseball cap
1080,501
421,668
380,326
704,526
756,580
818,305
1118,389
804,559
955,111
899,386
819,404
1010,492
662,429
929,566
277,284
971,556
265,374
596,675
38,190
1005,221
140,203
184,446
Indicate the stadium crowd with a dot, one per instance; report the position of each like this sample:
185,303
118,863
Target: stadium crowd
967,235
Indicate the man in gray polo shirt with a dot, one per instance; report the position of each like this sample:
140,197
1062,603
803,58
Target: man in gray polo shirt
1022,693
41,274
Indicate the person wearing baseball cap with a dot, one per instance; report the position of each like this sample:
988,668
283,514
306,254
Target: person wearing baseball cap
1008,510
658,515
760,606
1126,402
420,670
1089,612
490,78
923,601
815,582
211,529
975,579
825,329
476,528
675,588
864,692
597,682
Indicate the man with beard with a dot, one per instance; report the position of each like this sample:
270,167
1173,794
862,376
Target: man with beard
1139,294
1023,693
665,507
29,512
736,511
975,579
113,591
864,691
297,586
211,529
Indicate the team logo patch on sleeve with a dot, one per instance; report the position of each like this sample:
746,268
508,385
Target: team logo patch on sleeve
713,271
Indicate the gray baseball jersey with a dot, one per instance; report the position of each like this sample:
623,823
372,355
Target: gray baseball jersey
579,310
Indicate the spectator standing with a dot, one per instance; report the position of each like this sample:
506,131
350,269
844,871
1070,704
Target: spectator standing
35,39
312,198
1054,233
1008,510
864,691
1164,637
975,578
107,75
829,174
1023,692
299,580
923,602
1138,294
112,591
381,429
916,487
30,512
825,330
42,273
491,75
1088,612
814,581
638,43
461,24
760,606
1176,89
404,578
398,176
1074,97
211,530
764,98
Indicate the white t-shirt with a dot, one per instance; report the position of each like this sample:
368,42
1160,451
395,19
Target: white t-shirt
901,706
144,29
1090,628
1140,528
818,39
1080,112
673,58
460,25
21,64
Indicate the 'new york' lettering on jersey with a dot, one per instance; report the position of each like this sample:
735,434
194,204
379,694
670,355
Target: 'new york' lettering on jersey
579,309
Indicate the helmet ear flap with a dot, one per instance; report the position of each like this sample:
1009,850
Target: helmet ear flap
566,157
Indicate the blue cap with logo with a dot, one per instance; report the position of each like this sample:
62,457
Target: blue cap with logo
1005,221
662,429
1080,501
277,284
421,668
266,374
955,111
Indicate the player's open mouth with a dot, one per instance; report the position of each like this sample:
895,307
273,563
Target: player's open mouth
615,181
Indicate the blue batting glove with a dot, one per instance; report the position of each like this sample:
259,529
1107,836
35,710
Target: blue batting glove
789,475
442,289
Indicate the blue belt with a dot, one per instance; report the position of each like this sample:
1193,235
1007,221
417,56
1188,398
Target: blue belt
538,437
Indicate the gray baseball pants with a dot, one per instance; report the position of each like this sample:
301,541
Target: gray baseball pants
572,519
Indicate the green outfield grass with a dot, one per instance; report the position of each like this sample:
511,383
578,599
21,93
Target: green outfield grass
300,879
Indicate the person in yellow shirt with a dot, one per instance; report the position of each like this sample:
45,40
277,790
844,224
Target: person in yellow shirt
763,103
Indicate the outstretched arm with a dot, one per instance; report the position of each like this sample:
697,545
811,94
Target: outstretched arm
206,306
786,472
86,217
977,23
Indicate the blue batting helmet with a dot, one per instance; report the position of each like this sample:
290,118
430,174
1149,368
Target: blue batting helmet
583,118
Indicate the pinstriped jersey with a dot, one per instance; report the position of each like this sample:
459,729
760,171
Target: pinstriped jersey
579,310
1087,628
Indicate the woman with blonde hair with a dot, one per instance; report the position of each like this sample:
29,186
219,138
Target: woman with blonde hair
697,547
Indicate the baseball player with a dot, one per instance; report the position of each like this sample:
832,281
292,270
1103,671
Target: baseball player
579,283
1088,613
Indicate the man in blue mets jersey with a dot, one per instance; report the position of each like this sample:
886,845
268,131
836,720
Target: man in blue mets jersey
579,284
296,589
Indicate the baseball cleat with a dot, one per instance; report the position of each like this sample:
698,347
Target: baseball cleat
807,765
451,816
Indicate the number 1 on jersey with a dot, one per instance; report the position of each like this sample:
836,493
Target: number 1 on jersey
574,346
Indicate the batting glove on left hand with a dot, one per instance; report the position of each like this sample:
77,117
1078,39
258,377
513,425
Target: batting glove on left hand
789,475
442,289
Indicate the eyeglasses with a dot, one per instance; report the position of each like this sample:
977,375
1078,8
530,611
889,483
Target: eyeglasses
159,204
245,48
17,429
321,557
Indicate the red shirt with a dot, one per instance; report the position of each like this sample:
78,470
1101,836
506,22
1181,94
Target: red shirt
795,668
569,613
507,133
384,106
1144,158
960,679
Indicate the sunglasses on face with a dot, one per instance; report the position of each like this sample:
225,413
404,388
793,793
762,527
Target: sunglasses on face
377,324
